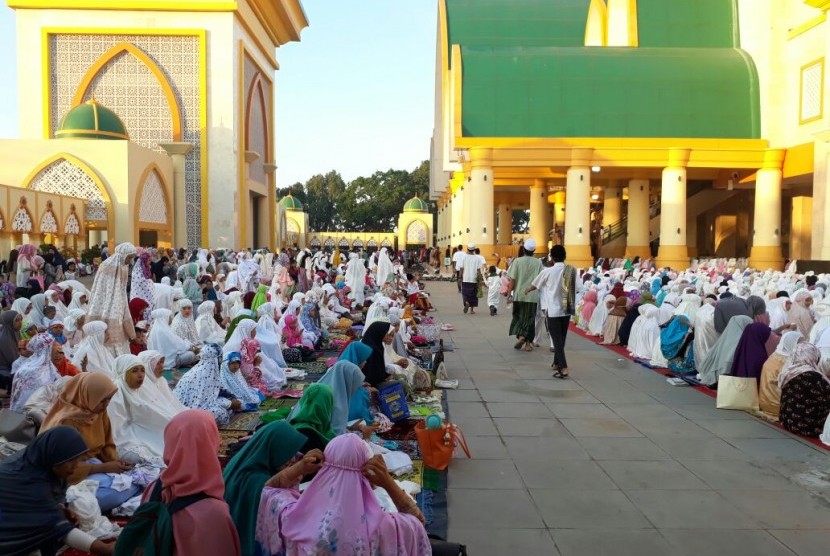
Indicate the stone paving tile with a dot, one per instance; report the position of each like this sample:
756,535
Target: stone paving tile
482,542
615,460
662,475
697,542
588,509
579,542
689,509
805,543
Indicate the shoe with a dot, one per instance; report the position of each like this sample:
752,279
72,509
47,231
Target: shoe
466,307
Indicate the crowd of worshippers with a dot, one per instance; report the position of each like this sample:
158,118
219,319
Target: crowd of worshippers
87,367
717,320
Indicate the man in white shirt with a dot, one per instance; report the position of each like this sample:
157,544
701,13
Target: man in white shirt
456,260
558,286
470,269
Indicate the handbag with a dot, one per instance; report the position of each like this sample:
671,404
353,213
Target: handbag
736,392
438,445
16,427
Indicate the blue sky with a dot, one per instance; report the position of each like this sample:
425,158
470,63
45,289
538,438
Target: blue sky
355,95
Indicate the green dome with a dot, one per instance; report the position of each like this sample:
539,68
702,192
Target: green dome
415,204
91,120
291,203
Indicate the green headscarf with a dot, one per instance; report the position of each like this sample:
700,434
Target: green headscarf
260,298
270,448
315,410
235,322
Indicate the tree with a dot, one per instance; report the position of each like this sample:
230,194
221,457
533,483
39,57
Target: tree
521,221
322,193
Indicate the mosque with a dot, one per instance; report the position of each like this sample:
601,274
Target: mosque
635,127
145,121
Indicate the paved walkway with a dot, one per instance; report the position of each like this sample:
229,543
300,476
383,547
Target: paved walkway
615,460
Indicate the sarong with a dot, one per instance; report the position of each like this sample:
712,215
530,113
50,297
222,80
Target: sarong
469,293
524,320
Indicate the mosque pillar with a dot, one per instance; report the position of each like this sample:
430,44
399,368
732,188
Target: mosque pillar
466,208
482,220
539,215
766,233
177,152
638,220
673,250
457,214
578,210
505,236
612,205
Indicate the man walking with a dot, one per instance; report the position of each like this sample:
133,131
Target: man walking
558,286
456,261
470,271
521,274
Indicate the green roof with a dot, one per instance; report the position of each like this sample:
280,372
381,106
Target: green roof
291,203
527,73
415,204
609,92
91,120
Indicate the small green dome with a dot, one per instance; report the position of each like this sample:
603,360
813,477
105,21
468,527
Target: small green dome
92,120
415,204
291,203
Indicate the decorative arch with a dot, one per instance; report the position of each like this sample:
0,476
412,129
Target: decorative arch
357,244
343,243
372,243
329,243
416,233
22,222
257,89
128,48
292,226
315,243
144,210
48,221
2,220
386,242
72,226
104,195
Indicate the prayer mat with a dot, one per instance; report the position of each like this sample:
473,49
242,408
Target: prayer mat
317,367
410,448
245,422
433,504
402,430
417,475
271,404
228,436
288,393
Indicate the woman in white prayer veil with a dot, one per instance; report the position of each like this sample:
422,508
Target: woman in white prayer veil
154,364
705,333
689,305
778,310
73,329
137,413
98,358
108,300
378,310
269,335
177,351
184,325
231,304
79,301
640,341
163,296
356,278
822,312
55,301
385,268
245,329
597,322
207,328
75,285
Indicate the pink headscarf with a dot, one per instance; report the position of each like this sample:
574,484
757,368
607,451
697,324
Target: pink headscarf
293,334
191,442
589,303
27,252
338,507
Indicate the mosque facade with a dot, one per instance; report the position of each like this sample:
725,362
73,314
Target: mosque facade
635,127
154,120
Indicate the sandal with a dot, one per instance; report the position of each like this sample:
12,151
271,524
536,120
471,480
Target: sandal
560,374
519,344
528,346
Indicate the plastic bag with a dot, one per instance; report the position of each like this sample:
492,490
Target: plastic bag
81,500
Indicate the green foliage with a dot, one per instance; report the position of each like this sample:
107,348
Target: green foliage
366,204
87,255
521,221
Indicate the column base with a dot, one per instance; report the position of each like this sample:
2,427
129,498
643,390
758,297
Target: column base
642,251
766,258
674,256
579,256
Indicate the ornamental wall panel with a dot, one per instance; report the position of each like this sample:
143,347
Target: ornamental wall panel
153,206
126,86
63,177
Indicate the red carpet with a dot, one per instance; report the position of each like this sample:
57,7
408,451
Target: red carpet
623,352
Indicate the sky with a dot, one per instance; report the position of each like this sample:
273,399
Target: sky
355,95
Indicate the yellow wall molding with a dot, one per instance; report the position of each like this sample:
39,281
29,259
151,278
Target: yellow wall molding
612,23
804,27
127,48
123,5
596,29
819,4
800,160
